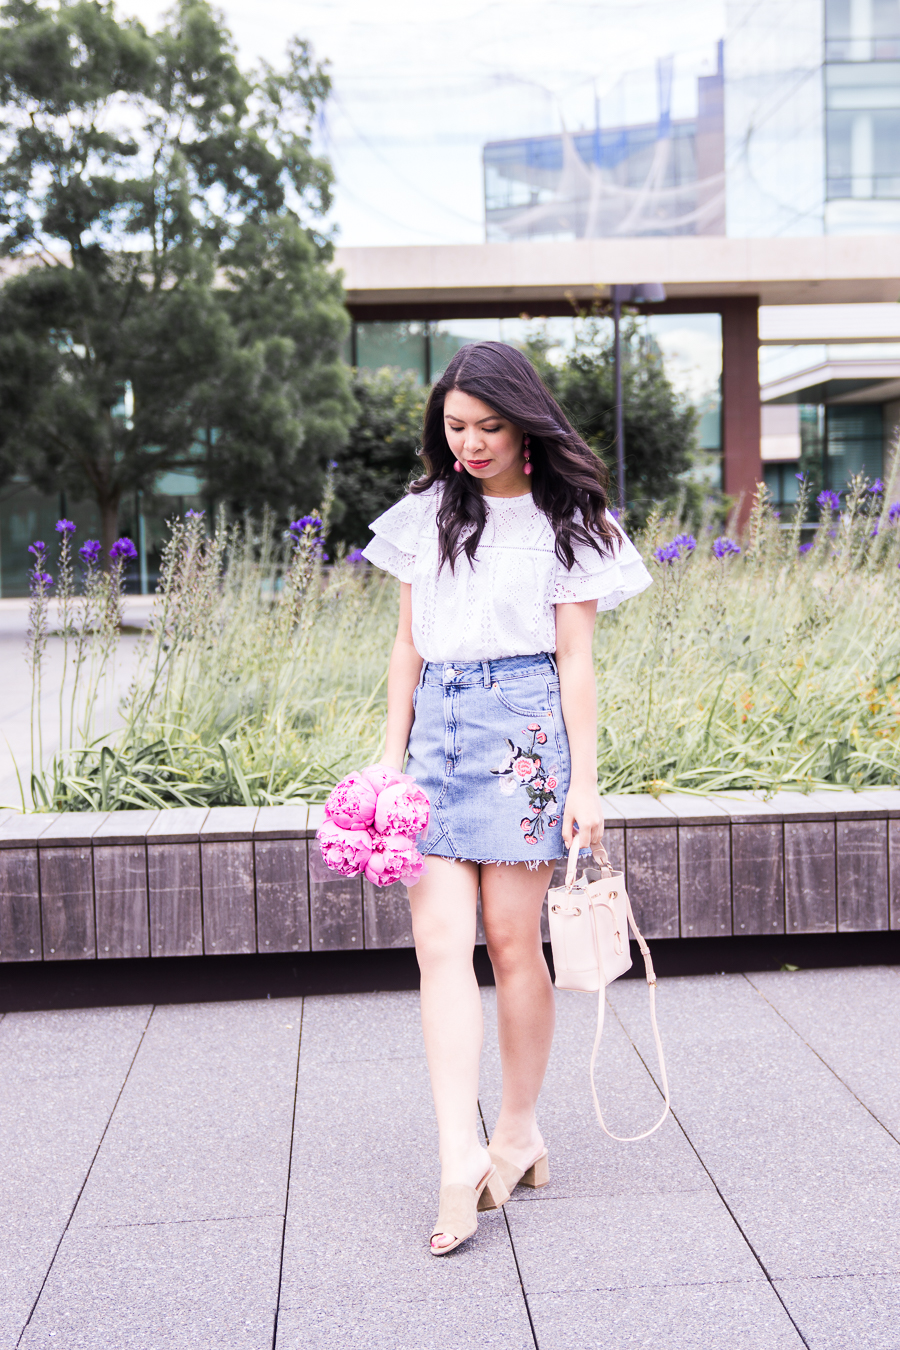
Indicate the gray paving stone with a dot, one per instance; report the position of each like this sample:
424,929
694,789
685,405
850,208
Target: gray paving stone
852,1019
583,1160
473,1323
730,1316
364,1190
203,1128
60,1075
174,1286
629,1241
858,1311
810,1175
361,1026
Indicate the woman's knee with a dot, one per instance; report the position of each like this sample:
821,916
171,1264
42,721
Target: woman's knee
513,950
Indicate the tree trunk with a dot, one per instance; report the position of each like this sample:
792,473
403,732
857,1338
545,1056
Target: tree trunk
109,525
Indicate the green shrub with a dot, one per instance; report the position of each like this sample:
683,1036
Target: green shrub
263,675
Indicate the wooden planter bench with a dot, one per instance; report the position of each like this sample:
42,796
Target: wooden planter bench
190,882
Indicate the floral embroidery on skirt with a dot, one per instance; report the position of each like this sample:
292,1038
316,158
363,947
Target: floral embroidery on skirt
525,768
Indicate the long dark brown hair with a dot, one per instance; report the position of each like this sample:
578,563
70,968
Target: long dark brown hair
566,473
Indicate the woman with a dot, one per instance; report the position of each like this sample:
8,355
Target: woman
504,550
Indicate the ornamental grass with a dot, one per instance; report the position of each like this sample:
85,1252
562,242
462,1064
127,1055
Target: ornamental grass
766,662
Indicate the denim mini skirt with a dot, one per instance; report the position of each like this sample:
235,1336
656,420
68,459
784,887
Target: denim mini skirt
488,747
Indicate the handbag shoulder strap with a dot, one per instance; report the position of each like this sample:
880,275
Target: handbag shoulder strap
603,861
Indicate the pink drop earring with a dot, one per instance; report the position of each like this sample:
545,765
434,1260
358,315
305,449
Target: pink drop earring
526,450
458,467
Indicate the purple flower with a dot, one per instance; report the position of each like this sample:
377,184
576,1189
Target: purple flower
90,551
723,546
804,548
355,556
667,553
614,512
800,477
65,527
41,578
685,541
894,513
829,501
877,486
194,515
313,522
123,548
37,547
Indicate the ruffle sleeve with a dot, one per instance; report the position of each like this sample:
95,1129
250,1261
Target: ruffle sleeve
609,579
397,534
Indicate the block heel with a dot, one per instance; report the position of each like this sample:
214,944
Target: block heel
538,1174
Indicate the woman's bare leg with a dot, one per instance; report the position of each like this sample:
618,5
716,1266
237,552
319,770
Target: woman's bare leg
443,915
511,901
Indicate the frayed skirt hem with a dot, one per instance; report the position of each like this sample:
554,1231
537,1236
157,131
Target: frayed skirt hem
531,863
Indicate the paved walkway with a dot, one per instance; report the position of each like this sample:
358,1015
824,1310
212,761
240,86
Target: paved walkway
242,1176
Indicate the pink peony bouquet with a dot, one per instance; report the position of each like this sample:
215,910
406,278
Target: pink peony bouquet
371,822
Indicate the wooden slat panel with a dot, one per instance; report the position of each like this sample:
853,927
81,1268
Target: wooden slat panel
757,871
282,894
386,915
67,903
335,907
120,890
20,907
651,876
173,875
862,875
229,908
894,870
809,877
704,870
614,839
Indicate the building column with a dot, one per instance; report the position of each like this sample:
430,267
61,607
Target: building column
741,461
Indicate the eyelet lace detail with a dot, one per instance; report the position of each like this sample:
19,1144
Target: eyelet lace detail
503,604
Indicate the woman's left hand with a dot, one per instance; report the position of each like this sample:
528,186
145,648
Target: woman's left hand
583,815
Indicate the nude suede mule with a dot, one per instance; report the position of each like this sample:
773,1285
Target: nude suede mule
458,1209
538,1174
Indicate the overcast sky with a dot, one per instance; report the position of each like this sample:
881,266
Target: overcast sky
420,87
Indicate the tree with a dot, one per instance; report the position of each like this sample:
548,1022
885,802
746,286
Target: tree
659,429
162,206
381,454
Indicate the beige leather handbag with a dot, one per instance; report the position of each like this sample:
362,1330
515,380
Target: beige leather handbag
589,921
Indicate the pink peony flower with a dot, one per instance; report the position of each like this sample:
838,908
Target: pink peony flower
380,776
526,823
534,726
345,851
551,782
525,768
393,858
352,803
402,809
530,839
541,738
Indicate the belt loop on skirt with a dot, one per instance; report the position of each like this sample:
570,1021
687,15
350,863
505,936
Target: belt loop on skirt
553,663
425,665
486,672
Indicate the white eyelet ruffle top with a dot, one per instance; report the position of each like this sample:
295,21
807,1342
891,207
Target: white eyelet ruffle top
503,604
